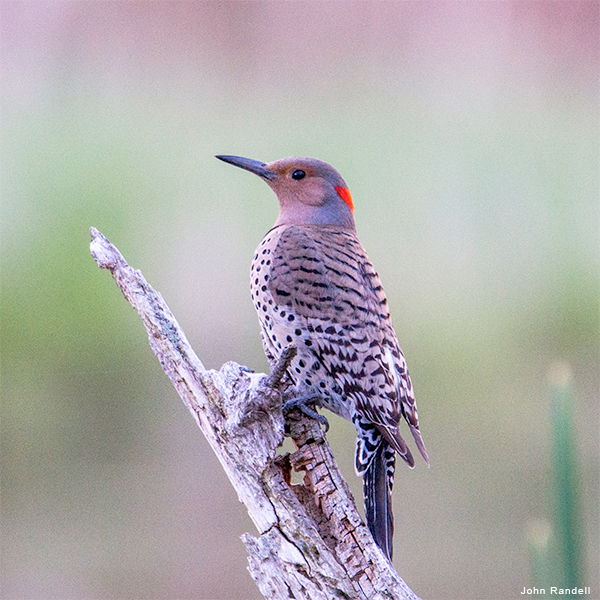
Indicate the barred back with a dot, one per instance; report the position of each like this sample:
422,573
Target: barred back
315,287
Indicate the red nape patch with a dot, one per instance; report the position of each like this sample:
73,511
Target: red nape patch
344,194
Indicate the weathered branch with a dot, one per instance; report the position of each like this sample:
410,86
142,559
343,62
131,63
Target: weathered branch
312,542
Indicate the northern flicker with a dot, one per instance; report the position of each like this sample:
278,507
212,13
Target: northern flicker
313,286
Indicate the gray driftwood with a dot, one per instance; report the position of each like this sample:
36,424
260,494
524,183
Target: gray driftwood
312,543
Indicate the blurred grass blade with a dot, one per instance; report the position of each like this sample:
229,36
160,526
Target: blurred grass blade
538,537
567,517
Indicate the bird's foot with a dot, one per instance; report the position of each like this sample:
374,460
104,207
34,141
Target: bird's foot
303,404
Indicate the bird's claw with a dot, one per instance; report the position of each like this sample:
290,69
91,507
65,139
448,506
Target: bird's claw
303,405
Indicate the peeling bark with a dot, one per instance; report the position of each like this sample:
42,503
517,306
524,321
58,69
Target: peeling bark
312,543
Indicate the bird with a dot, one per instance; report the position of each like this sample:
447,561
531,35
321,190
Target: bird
314,287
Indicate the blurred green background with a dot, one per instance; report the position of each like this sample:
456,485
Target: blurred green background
468,133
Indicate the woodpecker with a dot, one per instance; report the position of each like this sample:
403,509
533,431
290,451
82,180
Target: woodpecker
313,286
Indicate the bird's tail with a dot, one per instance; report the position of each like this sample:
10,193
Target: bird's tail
378,480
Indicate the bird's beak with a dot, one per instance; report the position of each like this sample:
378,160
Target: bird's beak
254,166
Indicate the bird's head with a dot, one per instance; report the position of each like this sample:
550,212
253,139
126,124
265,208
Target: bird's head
310,192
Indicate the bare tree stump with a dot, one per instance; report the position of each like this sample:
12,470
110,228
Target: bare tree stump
312,542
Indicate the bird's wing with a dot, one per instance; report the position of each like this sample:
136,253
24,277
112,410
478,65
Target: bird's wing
325,279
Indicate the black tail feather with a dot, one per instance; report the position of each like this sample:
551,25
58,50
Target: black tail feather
377,488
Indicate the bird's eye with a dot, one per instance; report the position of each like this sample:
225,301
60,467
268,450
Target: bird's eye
298,174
